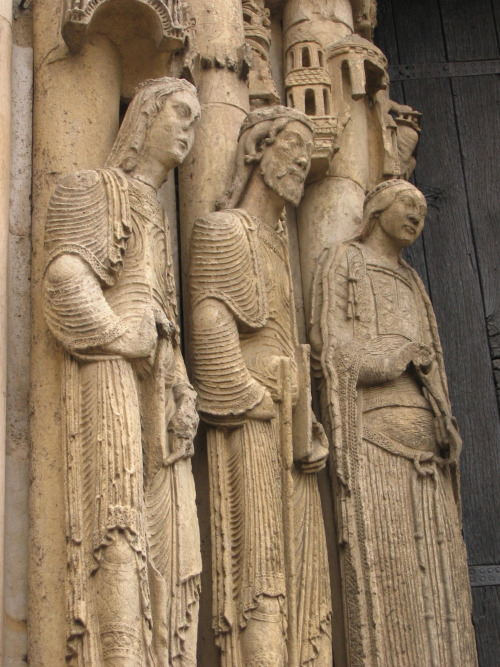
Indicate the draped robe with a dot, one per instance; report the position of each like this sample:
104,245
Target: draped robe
268,535
404,566
116,417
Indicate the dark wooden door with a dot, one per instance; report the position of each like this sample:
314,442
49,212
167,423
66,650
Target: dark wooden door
445,61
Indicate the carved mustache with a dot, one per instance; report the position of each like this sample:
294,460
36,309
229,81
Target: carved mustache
293,172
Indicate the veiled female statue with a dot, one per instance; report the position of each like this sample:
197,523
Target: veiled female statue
394,445
129,410
270,569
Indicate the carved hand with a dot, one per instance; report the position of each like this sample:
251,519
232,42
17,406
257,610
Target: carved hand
415,353
138,341
185,421
264,410
316,460
448,436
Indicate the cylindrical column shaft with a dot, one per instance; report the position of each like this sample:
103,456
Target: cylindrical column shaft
5,111
224,102
76,106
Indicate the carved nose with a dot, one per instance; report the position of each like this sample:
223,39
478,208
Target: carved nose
302,162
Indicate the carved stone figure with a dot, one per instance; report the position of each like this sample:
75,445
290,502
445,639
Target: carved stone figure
129,410
395,445
270,572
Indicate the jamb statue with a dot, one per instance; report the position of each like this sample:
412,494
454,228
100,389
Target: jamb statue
395,445
130,417
270,571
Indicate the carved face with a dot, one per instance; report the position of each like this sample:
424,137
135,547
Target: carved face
171,134
403,220
285,163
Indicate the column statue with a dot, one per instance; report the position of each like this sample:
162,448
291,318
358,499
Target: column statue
395,445
128,407
270,572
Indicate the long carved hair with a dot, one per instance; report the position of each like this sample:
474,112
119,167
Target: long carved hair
259,130
147,102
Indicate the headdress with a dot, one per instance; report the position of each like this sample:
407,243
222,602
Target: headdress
385,185
272,113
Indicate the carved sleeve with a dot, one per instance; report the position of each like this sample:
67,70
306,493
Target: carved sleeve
350,317
74,306
181,384
224,384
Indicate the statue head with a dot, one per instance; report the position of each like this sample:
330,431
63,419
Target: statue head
398,207
160,119
279,141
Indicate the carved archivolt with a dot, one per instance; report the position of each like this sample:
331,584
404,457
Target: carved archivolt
170,14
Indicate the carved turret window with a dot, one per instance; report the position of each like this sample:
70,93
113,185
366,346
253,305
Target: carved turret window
306,57
290,101
291,59
310,102
320,58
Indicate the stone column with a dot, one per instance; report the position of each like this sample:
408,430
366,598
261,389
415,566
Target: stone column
331,204
203,178
76,106
5,110
224,98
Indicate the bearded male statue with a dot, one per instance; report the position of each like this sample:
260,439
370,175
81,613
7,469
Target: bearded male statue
395,445
129,411
271,583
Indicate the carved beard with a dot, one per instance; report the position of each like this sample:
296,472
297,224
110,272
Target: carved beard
287,183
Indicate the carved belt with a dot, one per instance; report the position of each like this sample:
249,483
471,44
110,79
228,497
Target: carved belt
418,457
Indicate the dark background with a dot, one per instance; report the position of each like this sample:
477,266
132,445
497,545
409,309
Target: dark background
453,48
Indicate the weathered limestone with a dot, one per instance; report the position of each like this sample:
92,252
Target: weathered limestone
271,585
70,94
18,450
5,112
223,93
269,565
129,411
395,445
339,78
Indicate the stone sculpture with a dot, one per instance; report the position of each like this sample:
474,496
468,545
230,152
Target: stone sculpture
129,411
394,443
270,573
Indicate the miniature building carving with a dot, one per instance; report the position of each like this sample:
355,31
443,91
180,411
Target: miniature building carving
308,88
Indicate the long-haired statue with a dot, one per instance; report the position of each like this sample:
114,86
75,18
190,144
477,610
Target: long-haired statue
129,410
271,583
395,446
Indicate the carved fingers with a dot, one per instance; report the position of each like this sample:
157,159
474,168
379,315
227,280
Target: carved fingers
316,460
184,423
264,410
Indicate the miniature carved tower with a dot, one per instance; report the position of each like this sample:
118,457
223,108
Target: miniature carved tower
308,88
